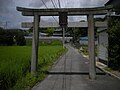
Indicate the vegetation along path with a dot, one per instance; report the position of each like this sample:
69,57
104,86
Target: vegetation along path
15,65
71,73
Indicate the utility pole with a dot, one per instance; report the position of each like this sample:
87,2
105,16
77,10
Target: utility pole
6,24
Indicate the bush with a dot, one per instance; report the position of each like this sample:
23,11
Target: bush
45,43
114,43
5,38
56,42
20,39
11,37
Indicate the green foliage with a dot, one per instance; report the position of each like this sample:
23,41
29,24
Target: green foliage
45,43
114,43
56,42
6,40
20,40
11,37
76,33
14,62
84,49
15,65
50,31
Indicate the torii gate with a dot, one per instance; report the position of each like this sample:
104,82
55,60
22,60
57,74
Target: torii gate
90,12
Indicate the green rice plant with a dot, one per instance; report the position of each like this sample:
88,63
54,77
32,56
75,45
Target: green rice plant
15,65
45,43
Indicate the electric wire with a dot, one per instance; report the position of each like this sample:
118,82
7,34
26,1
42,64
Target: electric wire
59,4
53,4
47,8
63,3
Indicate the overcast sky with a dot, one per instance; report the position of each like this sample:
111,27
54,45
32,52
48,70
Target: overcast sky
11,18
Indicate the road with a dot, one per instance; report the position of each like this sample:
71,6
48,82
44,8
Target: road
71,72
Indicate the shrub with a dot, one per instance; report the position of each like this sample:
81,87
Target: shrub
11,37
20,39
114,43
45,43
5,38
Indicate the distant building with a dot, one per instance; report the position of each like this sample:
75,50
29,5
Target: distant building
43,34
84,41
58,33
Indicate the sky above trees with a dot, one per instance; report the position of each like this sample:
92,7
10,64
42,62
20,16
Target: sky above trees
11,18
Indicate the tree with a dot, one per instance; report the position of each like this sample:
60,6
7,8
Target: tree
114,43
50,31
76,33
11,37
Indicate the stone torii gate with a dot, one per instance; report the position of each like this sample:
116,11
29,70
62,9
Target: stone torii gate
90,12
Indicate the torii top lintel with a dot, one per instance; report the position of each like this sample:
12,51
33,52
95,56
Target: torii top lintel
70,11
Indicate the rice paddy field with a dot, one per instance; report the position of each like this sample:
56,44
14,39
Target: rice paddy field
15,65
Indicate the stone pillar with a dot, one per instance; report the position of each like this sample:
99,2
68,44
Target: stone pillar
63,28
91,47
35,40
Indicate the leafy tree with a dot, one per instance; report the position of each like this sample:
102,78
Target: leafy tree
50,31
11,37
114,43
76,33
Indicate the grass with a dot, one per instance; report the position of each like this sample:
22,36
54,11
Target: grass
115,72
84,49
15,65
45,43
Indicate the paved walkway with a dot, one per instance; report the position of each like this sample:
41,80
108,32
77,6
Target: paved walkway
71,72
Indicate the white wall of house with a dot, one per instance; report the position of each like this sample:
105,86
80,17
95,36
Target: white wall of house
103,45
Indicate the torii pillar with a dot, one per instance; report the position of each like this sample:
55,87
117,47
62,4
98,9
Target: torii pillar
35,40
63,23
91,46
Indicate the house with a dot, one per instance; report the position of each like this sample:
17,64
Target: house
84,41
58,33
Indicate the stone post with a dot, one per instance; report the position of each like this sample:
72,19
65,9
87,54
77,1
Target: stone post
91,47
63,28
35,40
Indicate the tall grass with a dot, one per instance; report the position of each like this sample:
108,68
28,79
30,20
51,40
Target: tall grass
45,43
15,64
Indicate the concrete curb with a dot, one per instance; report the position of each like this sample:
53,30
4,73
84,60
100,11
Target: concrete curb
107,72
102,68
